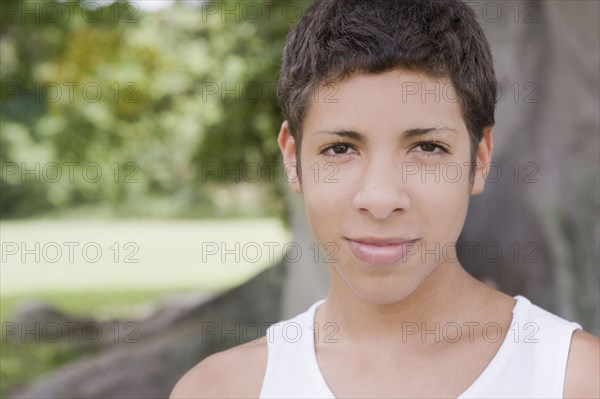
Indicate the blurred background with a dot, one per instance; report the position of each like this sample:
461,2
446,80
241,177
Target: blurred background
145,220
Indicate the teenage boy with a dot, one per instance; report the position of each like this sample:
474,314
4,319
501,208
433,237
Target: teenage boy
382,93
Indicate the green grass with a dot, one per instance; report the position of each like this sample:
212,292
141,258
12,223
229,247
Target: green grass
23,363
139,255
170,261
97,304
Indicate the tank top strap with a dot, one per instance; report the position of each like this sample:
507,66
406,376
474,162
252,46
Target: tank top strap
532,359
292,370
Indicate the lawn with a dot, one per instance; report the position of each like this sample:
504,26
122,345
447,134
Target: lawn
107,269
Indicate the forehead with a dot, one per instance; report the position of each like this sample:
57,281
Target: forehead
394,100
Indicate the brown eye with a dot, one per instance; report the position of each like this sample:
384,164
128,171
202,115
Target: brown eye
340,148
431,148
428,147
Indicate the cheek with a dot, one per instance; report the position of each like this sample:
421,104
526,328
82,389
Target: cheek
324,204
443,203
327,199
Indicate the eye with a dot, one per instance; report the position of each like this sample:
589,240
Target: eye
337,150
431,148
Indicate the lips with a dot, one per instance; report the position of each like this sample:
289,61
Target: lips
381,251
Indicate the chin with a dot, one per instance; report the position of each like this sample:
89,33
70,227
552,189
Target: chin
380,291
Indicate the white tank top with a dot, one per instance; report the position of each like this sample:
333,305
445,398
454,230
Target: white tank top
530,363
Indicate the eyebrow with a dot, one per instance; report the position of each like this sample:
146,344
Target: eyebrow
407,134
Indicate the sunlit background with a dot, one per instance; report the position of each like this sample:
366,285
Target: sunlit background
131,136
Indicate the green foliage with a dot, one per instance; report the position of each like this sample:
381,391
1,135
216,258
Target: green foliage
131,94
24,362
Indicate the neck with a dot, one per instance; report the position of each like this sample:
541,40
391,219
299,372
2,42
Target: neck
448,295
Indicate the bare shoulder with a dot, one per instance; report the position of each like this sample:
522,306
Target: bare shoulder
237,372
582,379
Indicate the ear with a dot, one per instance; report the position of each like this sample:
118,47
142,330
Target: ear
287,145
483,159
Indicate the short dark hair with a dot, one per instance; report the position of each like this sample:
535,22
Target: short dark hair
335,39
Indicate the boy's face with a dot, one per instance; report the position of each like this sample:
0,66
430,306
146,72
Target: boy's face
385,178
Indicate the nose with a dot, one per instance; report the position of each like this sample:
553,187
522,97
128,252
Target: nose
381,191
